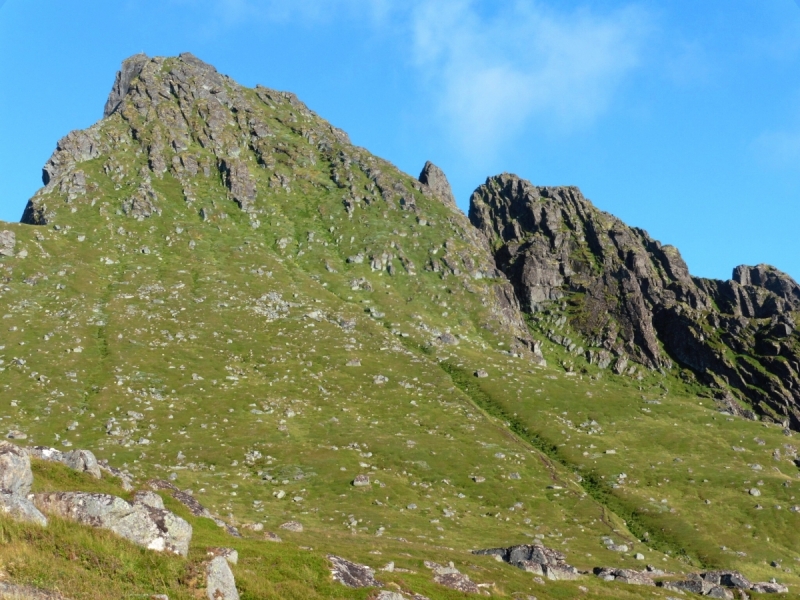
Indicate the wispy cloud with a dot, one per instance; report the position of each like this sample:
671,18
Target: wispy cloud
778,149
493,73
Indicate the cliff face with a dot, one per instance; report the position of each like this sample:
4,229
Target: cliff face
631,297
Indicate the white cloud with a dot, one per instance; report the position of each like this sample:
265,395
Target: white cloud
491,75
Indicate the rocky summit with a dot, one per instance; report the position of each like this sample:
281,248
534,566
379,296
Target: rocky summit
241,357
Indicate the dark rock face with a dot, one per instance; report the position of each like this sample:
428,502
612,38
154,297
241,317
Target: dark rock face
630,296
129,71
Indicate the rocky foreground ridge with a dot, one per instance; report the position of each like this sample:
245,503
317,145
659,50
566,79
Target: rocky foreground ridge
632,298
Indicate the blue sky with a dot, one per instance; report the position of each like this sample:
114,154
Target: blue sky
680,117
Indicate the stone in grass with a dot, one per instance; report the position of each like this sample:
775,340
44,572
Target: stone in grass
229,554
24,592
481,373
755,492
387,595
478,479
20,508
354,362
352,574
272,537
380,379
141,523
292,526
361,481
80,460
16,476
220,584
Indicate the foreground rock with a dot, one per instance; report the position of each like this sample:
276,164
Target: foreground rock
624,576
535,558
145,522
220,584
7,242
194,506
16,479
352,574
452,578
722,584
25,592
80,460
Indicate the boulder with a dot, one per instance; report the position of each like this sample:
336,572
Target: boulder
7,242
229,554
629,576
535,558
770,588
13,591
154,528
80,460
20,508
220,584
352,574
16,476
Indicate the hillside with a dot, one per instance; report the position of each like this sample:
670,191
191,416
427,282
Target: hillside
215,288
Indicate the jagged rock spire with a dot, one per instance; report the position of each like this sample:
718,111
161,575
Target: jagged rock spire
436,180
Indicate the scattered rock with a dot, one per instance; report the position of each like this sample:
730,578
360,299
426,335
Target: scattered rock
220,584
7,242
624,575
481,373
229,554
352,574
20,508
80,460
24,592
272,537
292,526
458,582
534,558
361,481
153,528
16,476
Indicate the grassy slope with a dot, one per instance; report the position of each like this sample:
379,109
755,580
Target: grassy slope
274,381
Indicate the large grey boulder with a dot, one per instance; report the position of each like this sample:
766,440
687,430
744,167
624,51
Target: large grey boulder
141,523
80,460
16,476
220,584
7,242
20,508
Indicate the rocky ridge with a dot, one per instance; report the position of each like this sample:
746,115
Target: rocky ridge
630,298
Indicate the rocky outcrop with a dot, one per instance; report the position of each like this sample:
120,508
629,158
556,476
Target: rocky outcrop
131,68
436,181
625,296
220,583
352,574
534,558
25,592
8,240
629,576
80,460
144,522
16,479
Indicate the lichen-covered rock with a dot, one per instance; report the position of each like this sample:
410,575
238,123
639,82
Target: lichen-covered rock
629,576
80,460
153,528
16,476
8,240
143,203
535,558
20,508
352,574
220,583
13,591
